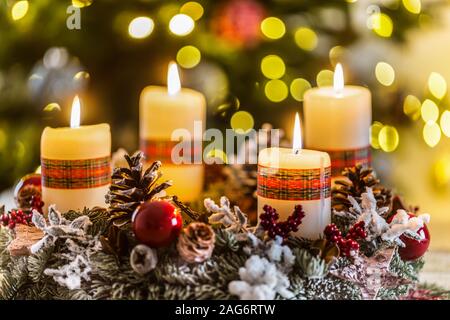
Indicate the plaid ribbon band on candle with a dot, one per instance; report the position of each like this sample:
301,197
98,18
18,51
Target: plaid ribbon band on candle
162,150
342,159
76,174
294,184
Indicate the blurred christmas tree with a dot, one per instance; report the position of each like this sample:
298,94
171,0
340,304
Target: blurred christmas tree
244,55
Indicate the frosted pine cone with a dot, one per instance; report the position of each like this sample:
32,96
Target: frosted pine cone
196,243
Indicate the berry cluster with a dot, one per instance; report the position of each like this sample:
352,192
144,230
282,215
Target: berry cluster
348,245
16,216
36,203
269,221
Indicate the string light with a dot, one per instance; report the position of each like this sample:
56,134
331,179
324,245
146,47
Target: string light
429,111
272,66
181,24
19,10
298,88
388,138
141,27
431,134
385,73
306,38
273,28
276,90
437,85
188,57
242,122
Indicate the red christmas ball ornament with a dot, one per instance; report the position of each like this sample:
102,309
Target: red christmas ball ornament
28,192
414,249
157,223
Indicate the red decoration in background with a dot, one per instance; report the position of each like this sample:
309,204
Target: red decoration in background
268,220
238,22
28,192
348,245
414,249
157,223
16,216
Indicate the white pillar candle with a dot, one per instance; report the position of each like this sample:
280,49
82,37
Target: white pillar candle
337,121
163,110
288,177
75,164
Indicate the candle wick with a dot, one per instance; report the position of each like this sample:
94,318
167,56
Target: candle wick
297,151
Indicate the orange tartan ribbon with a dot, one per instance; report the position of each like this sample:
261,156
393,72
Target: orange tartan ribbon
76,174
161,150
341,159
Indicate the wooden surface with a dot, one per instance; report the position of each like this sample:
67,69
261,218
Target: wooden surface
25,237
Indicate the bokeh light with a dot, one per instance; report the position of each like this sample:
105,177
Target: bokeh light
388,138
272,66
192,9
437,85
19,9
429,111
431,133
336,54
81,76
441,171
412,106
81,3
273,28
140,27
276,90
181,24
53,106
375,129
445,123
306,38
188,57
413,6
325,78
298,88
216,154
385,73
381,24
241,122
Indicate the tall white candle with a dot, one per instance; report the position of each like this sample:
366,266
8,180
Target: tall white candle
288,177
337,121
75,164
162,111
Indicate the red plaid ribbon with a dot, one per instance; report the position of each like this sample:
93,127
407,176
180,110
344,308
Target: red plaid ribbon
76,174
294,184
342,159
162,150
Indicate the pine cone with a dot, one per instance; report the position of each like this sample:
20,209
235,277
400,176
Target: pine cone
196,243
130,186
358,179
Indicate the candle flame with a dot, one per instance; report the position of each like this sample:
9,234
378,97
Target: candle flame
173,79
297,141
338,81
75,116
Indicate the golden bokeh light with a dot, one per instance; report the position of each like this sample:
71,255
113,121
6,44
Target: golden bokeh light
437,85
412,106
181,24
81,76
273,28
441,171
385,73
242,122
140,27
192,9
375,129
276,90
445,123
388,138
298,88
381,24
306,38
272,66
53,106
81,3
431,133
19,10
413,6
325,78
188,57
216,154
336,54
429,111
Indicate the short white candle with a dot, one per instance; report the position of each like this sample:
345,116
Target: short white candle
337,121
76,164
288,177
163,110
